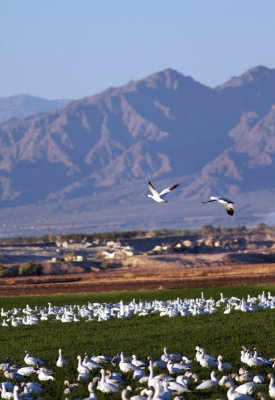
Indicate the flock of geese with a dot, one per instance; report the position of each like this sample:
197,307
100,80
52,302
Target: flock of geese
159,197
170,376
99,312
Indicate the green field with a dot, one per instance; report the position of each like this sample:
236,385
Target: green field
143,336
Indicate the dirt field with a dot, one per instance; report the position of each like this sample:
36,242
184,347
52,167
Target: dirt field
128,279
243,264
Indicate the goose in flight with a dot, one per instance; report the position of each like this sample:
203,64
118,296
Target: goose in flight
228,204
158,197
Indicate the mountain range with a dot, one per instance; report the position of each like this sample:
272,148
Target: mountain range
23,106
95,155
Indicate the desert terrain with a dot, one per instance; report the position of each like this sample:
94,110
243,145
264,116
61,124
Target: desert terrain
71,266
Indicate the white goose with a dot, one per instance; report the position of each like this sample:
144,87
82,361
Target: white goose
158,197
233,395
44,375
175,368
27,371
178,387
5,394
170,356
106,387
246,388
271,387
206,360
90,364
138,363
125,394
69,387
33,388
32,360
61,362
91,390
209,383
223,366
126,366
81,369
228,204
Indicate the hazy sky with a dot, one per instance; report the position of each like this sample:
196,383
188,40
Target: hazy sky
76,48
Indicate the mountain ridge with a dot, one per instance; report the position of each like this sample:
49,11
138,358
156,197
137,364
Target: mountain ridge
23,105
164,126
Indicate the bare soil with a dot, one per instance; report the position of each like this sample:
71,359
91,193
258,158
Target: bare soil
248,264
167,276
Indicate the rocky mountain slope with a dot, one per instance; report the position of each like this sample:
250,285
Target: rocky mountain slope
164,127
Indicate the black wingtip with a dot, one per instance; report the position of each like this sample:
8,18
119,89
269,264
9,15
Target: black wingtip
175,186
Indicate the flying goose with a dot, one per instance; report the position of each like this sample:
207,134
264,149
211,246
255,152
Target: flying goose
223,200
158,196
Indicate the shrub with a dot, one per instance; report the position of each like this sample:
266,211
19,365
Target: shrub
105,264
5,272
30,268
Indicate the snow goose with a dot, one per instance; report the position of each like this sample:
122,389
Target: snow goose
157,363
265,361
177,387
206,360
15,392
90,364
81,369
223,366
16,322
114,377
8,386
175,368
258,379
162,392
209,383
69,386
246,388
83,376
27,371
32,388
91,390
233,395
138,363
170,356
11,374
44,375
226,381
228,204
5,394
126,366
140,374
271,387
32,360
148,394
106,387
61,362
158,197
152,380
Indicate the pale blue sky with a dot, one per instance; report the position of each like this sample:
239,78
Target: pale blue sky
76,48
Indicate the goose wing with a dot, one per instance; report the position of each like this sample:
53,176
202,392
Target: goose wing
225,200
152,189
212,198
169,189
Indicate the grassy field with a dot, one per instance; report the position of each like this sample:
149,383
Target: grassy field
217,333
